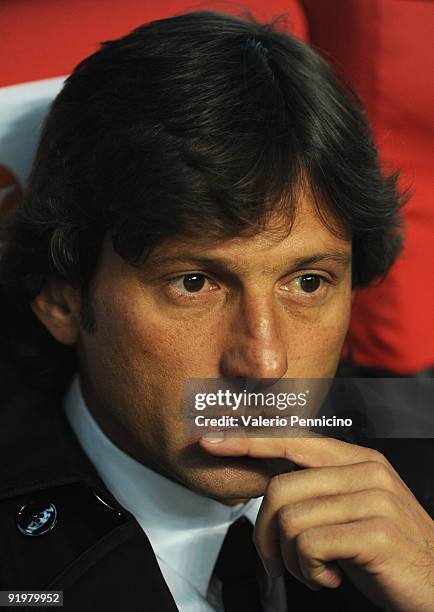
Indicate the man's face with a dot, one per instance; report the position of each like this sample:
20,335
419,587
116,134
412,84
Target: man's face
257,307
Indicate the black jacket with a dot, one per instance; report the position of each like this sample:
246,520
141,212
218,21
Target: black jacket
95,551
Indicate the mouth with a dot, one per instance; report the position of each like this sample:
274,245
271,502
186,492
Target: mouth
196,457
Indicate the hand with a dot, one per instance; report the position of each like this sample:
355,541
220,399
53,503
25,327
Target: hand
348,511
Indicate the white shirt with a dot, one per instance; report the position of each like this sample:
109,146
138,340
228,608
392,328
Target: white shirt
186,529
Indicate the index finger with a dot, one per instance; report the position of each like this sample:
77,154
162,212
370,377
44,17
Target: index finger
315,451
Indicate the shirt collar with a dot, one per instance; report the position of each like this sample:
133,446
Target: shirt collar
186,529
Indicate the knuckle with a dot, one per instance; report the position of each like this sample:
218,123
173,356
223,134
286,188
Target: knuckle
375,455
275,488
379,472
304,544
383,532
288,517
382,500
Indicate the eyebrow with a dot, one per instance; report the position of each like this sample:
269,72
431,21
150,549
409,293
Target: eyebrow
222,265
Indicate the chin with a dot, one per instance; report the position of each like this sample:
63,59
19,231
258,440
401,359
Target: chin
233,477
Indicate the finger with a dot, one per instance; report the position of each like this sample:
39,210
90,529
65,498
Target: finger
304,451
342,508
362,542
295,518
295,487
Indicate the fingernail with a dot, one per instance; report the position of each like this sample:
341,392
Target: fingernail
214,438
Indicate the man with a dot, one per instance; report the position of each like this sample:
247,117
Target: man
205,197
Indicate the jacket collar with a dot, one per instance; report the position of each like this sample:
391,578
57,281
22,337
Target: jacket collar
39,450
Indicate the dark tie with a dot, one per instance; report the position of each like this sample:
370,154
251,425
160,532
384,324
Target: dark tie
238,567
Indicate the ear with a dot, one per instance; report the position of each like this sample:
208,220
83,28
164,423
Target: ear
57,306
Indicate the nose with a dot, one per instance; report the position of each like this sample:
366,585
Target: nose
255,347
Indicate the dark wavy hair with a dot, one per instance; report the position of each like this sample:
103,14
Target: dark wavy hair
203,123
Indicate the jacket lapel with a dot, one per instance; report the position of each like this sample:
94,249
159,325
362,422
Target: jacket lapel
96,552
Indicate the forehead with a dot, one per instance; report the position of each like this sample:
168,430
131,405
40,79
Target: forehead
308,234
307,241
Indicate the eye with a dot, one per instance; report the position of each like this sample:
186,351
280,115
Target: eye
192,283
309,283
308,287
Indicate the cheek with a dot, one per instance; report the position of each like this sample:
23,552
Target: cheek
136,342
133,331
331,333
315,343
